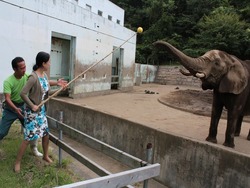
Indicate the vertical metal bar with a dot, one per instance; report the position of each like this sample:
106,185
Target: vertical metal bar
149,160
60,138
21,130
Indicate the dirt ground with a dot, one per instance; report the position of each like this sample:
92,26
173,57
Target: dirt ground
190,100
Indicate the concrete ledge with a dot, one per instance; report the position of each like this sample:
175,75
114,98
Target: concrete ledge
184,162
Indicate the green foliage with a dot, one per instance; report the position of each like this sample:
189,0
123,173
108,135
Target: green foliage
193,26
222,30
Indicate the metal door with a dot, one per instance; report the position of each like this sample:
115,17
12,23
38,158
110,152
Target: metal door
56,58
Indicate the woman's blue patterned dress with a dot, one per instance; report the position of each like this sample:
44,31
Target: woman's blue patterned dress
35,123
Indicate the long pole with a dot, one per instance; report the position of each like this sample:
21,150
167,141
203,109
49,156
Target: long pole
54,94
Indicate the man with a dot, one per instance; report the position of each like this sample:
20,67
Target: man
13,105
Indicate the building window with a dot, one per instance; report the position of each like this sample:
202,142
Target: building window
99,13
88,7
110,17
118,21
75,2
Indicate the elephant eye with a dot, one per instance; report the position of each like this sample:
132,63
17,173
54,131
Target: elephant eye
216,63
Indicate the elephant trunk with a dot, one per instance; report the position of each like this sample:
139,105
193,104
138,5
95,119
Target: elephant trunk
193,65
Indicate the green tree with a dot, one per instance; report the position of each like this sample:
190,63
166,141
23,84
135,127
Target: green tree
191,25
222,30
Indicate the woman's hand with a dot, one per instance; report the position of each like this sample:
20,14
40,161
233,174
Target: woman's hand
35,108
63,83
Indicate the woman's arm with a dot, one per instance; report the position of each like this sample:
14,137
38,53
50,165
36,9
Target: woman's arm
26,89
60,82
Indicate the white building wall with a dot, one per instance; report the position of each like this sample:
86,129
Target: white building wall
27,26
107,7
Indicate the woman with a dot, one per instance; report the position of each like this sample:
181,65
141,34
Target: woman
35,121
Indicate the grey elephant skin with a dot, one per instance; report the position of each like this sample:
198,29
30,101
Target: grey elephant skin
228,77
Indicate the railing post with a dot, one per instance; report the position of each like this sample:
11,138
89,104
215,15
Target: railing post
60,138
149,155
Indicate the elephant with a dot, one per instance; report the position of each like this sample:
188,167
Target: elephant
228,77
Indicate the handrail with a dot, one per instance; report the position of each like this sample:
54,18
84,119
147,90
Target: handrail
144,172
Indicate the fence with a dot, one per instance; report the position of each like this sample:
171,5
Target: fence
144,171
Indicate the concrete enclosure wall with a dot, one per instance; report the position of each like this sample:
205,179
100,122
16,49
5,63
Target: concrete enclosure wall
184,162
146,73
165,74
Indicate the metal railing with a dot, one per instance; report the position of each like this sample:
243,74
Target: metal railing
144,171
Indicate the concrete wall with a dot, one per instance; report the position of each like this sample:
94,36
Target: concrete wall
27,27
107,7
144,73
185,163
165,74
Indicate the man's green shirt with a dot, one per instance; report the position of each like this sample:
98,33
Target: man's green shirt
14,86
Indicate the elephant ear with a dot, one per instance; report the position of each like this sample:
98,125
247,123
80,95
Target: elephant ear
235,80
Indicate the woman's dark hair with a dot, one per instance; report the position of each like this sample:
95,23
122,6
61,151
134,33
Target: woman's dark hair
41,57
15,61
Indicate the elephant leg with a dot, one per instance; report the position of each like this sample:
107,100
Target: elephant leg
248,137
238,126
232,119
229,140
215,117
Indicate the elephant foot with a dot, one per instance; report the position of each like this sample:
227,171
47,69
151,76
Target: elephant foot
231,145
236,134
248,137
211,139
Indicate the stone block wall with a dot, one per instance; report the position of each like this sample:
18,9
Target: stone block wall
170,75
